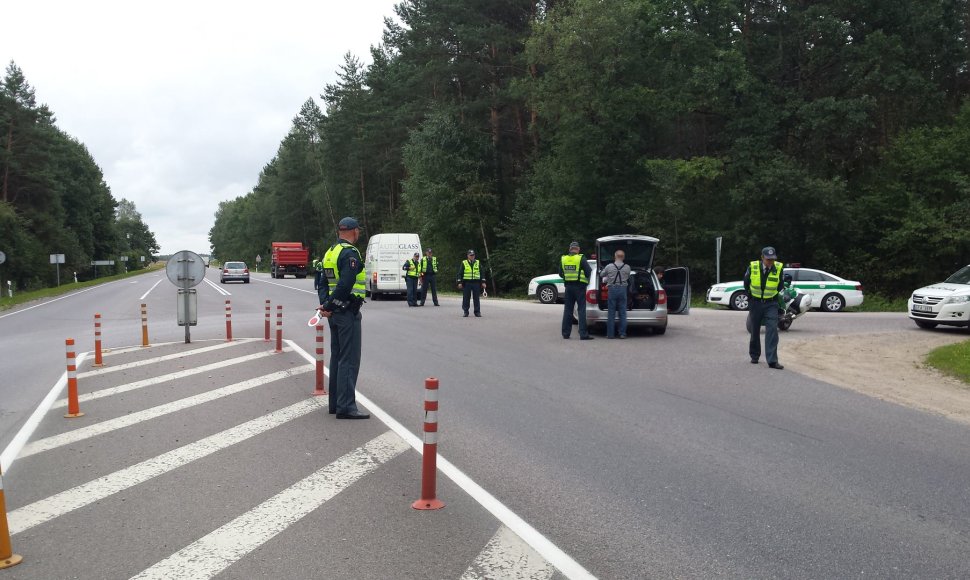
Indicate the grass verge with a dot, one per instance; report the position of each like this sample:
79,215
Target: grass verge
24,297
952,359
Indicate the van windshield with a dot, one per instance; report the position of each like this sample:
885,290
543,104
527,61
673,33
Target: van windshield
961,277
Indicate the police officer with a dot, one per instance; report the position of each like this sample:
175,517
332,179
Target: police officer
412,270
344,272
763,282
429,271
575,272
471,281
319,281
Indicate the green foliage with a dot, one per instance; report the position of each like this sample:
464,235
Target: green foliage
953,359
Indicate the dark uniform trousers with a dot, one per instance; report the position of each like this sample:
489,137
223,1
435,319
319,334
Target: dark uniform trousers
574,297
430,283
471,289
763,311
412,284
345,340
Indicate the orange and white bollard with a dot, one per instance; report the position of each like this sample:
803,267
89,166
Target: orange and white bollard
228,321
97,341
279,328
320,390
266,339
144,325
73,409
7,557
429,457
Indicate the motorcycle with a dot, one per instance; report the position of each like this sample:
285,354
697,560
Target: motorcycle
792,304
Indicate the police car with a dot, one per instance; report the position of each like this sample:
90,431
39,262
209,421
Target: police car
828,291
549,288
946,303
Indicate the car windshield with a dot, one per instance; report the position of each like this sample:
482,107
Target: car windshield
961,277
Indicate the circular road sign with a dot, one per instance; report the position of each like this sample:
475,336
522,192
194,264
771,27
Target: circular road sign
185,269
3,257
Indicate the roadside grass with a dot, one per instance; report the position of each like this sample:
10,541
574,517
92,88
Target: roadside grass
29,296
952,359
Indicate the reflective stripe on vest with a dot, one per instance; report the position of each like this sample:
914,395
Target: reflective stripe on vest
472,271
333,274
773,283
572,268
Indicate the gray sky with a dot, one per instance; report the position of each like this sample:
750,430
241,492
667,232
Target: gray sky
182,103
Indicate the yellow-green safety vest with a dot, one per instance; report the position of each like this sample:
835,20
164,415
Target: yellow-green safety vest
333,274
414,270
472,271
434,265
773,284
572,268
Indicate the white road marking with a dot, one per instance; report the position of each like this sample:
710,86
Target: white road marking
20,439
218,288
150,290
213,553
165,378
65,502
103,427
285,286
552,553
158,359
71,295
507,556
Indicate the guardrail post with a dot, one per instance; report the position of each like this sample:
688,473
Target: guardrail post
279,328
228,321
144,325
266,339
429,457
73,409
97,341
320,390
7,557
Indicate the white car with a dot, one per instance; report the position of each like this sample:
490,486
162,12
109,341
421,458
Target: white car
828,291
946,302
550,288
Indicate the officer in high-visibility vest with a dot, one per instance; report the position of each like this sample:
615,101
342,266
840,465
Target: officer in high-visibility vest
471,281
343,268
763,282
575,272
412,271
429,273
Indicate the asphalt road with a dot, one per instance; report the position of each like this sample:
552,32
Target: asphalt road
653,457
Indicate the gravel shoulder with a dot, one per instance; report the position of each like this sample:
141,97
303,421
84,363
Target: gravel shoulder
886,366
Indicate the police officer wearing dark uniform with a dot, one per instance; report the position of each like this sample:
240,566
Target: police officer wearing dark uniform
575,272
412,270
319,282
343,269
429,271
763,282
471,281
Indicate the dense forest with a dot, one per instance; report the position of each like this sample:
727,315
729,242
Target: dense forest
54,200
837,131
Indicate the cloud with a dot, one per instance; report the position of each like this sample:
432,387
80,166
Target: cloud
183,103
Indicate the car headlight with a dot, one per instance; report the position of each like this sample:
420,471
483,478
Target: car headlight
958,299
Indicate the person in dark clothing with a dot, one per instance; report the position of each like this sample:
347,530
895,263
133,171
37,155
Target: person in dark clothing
344,273
412,270
471,281
763,281
429,272
576,272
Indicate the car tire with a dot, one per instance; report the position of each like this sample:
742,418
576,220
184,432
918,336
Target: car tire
833,302
660,329
221,281
739,300
246,281
784,324
547,294
924,324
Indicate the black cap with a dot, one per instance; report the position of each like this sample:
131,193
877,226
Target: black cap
348,223
471,252
769,252
574,245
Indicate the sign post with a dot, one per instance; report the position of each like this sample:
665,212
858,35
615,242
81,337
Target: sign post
125,260
718,257
186,269
258,260
58,259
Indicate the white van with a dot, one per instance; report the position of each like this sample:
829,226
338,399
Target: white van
386,254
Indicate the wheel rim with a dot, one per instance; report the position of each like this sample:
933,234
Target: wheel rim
741,302
833,304
546,295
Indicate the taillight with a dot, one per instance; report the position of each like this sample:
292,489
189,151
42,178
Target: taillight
858,287
591,296
604,293
245,270
225,271
374,277
661,297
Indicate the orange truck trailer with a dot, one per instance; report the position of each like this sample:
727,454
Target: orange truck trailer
289,258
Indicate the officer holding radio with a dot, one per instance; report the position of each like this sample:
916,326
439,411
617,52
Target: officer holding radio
343,269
